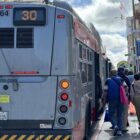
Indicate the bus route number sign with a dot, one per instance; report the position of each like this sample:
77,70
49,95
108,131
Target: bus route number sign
4,13
29,16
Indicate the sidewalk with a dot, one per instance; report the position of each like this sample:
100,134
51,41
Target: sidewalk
104,133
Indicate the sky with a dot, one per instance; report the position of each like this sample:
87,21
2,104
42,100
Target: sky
109,18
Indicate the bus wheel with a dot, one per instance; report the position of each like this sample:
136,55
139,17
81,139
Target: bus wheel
87,121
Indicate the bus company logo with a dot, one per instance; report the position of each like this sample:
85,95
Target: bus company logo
3,115
8,80
44,125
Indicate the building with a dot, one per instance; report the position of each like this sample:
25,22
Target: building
133,38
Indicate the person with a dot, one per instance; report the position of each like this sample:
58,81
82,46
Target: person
130,76
124,78
135,91
112,96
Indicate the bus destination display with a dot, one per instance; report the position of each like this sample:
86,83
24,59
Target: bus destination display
29,16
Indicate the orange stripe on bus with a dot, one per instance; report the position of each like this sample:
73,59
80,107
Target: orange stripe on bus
25,72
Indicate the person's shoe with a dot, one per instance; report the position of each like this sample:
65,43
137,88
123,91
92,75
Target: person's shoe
98,119
115,131
127,124
124,131
112,127
119,133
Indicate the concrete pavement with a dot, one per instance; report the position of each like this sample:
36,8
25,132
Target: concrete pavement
102,132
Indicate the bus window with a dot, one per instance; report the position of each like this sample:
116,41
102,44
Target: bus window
6,37
88,55
90,74
24,38
84,54
80,51
84,73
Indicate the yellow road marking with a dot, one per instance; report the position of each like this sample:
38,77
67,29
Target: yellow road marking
40,137
58,137
30,137
4,137
13,137
67,137
49,137
21,137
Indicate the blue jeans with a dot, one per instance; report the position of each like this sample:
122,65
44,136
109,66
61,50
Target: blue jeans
115,113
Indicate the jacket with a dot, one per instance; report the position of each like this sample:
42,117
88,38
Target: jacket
113,92
135,89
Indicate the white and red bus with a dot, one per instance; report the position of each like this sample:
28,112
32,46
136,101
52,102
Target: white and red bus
48,65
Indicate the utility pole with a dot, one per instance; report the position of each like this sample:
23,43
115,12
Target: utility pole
133,7
133,38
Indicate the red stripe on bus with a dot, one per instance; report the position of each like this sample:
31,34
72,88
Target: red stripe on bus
25,72
8,6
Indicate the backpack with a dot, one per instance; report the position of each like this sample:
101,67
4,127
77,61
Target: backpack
123,97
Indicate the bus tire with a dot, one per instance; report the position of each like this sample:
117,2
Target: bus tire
88,121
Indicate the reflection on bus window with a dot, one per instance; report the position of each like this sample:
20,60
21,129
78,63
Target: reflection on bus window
84,73
90,75
88,55
80,50
84,54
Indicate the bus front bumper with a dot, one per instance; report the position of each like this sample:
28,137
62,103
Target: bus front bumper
35,134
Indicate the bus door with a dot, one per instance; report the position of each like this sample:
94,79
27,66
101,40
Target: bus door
97,74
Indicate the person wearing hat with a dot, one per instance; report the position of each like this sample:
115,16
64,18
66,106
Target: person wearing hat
112,96
124,78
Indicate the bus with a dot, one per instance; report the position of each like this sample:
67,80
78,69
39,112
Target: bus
49,61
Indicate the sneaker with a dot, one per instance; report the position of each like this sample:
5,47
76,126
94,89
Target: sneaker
115,132
119,133
112,127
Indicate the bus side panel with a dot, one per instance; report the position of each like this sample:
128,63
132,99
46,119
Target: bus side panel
61,44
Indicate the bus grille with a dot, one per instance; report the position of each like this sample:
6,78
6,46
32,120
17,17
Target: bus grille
6,38
24,38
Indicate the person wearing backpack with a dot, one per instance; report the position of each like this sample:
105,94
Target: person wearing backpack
112,96
135,95
124,78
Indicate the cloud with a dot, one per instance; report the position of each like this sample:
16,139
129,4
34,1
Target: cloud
109,18
106,15
116,46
